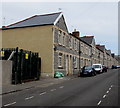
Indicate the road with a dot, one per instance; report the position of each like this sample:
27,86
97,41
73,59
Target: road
99,90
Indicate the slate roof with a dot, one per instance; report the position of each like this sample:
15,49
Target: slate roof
101,47
37,20
79,38
87,39
108,52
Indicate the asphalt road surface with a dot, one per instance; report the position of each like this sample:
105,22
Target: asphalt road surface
99,90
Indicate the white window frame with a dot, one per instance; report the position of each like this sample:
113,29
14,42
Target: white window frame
81,47
60,60
75,62
66,41
89,51
70,42
63,39
75,44
60,37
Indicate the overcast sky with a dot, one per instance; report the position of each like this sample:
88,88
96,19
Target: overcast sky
90,18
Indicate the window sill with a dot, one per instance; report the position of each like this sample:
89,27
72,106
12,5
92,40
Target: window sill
60,67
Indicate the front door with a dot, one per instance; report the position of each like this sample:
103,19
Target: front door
67,65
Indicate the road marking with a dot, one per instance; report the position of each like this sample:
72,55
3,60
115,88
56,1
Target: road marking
53,90
111,85
104,96
10,104
109,88
43,93
99,102
107,92
61,87
29,98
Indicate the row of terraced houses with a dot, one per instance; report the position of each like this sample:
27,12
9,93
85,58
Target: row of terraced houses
60,51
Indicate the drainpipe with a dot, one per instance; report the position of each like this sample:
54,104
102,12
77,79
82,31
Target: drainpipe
79,57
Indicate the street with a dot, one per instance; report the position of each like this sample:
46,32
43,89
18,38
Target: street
99,90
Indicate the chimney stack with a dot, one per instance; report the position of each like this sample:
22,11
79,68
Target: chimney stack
3,26
76,33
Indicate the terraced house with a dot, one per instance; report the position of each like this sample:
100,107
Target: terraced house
60,51
109,64
91,41
66,52
85,53
103,49
48,35
100,55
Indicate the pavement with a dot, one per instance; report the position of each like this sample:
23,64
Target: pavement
43,82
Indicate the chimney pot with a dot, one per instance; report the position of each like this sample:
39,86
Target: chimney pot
76,33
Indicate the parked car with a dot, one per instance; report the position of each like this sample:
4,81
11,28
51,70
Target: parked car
114,67
87,71
118,66
98,68
104,68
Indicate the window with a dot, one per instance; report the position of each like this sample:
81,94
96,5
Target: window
66,41
63,39
59,37
81,62
60,60
70,42
86,50
75,62
81,47
75,44
89,51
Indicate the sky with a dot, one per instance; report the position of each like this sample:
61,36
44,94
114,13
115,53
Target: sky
99,19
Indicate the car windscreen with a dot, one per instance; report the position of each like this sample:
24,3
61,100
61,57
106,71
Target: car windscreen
96,66
88,67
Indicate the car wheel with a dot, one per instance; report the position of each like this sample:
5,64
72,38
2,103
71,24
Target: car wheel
81,75
94,73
